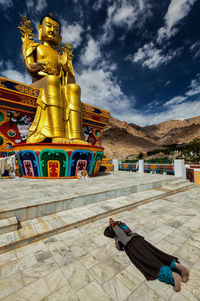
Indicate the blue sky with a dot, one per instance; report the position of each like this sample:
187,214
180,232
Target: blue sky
139,59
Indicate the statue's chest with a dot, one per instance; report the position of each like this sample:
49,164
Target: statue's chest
46,54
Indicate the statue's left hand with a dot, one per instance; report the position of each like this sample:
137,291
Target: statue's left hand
62,59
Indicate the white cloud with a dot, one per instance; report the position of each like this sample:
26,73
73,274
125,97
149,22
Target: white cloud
112,66
91,53
125,13
194,87
177,112
151,57
17,76
195,49
177,10
132,116
41,5
71,34
98,4
86,2
7,70
151,105
37,5
168,82
30,4
107,27
141,4
101,89
6,3
179,107
175,100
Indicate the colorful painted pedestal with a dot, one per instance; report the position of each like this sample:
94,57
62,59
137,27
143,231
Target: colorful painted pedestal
52,160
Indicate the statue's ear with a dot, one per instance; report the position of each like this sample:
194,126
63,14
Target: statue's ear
59,41
39,27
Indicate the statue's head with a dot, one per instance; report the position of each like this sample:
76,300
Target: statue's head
49,30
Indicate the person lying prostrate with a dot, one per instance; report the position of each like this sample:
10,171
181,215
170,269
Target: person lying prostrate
150,261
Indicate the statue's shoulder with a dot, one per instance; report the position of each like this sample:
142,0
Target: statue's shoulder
30,47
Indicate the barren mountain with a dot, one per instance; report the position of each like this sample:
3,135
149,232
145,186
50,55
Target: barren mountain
174,131
121,139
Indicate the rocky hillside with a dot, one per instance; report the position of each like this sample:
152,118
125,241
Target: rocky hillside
121,139
174,131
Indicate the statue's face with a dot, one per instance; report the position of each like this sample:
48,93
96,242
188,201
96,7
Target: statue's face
50,31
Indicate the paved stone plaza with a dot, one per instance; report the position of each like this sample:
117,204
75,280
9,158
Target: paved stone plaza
82,264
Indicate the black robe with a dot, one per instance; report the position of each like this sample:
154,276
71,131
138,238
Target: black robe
147,258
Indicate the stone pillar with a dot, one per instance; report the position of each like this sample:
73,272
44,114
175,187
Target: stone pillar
141,166
116,164
179,168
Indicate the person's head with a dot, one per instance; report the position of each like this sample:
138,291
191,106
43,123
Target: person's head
49,30
111,222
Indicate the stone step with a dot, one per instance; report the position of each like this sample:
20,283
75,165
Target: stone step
8,225
178,182
46,226
172,186
40,203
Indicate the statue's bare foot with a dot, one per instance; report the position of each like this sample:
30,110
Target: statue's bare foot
60,140
78,141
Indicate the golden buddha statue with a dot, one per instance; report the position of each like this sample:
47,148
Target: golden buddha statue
59,109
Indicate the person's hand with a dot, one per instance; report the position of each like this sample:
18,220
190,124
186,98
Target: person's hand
111,222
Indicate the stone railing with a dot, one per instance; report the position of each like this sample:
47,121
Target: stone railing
177,168
149,167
